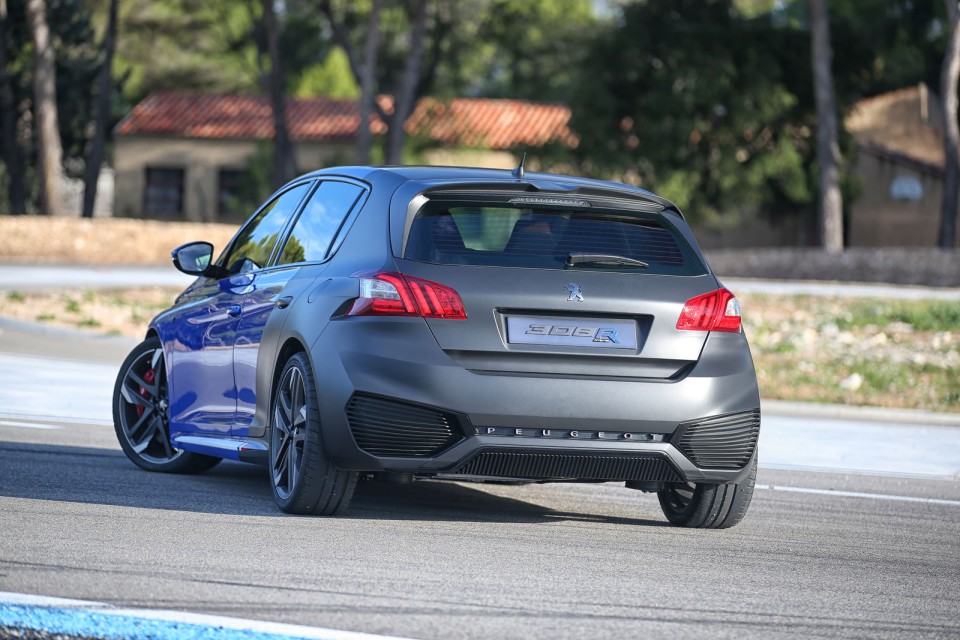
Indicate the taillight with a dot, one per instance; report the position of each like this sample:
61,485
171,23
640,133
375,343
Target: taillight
714,311
388,293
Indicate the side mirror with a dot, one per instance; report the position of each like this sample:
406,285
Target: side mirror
196,259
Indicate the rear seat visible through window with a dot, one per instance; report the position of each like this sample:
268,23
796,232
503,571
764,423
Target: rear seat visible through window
544,238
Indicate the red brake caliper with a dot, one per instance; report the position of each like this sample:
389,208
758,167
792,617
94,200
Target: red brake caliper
148,377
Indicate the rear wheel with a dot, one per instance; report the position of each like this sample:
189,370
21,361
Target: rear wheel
304,481
141,414
708,506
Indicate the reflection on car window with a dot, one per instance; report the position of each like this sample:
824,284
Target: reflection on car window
545,238
318,224
253,246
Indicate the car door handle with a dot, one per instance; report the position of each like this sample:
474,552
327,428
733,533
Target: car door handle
284,302
234,310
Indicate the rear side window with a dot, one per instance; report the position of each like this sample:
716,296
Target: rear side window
545,238
319,222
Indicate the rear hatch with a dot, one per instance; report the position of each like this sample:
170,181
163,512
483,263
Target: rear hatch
559,285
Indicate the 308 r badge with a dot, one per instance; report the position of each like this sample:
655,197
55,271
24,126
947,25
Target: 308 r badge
568,332
597,334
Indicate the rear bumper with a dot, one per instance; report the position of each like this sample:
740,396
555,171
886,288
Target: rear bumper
547,427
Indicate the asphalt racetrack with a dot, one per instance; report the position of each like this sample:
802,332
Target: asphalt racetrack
870,548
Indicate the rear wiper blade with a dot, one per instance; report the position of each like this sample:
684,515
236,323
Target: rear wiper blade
604,258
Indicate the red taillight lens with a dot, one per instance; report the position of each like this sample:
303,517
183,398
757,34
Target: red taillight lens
714,311
388,293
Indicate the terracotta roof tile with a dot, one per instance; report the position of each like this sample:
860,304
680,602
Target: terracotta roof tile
906,124
474,122
494,124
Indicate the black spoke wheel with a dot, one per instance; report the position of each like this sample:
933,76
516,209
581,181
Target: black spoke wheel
141,414
676,499
708,506
289,432
304,481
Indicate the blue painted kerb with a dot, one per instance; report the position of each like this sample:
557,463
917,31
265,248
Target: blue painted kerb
91,624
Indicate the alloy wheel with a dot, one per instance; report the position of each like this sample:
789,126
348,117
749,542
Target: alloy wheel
289,432
144,409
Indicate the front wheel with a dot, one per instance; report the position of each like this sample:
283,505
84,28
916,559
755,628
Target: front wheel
141,414
304,480
708,506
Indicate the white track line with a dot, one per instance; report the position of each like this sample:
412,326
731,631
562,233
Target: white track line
86,422
858,494
27,425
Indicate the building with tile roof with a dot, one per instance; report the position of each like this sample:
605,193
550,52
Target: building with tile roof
181,155
899,164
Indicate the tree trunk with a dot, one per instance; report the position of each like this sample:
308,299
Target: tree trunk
830,205
284,165
101,114
368,83
949,72
17,190
50,150
404,99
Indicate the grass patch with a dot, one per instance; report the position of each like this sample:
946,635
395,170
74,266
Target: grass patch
903,353
72,306
15,296
925,315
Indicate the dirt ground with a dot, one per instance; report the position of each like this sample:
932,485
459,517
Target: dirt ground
43,240
117,312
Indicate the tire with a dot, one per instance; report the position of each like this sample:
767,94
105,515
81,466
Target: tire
303,479
141,415
708,506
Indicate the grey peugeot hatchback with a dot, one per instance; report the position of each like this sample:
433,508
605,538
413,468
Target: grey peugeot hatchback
453,323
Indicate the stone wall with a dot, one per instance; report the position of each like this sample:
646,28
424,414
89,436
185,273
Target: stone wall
930,267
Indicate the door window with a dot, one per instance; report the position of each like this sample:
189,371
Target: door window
319,222
253,245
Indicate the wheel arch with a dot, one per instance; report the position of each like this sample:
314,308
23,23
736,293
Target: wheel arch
291,346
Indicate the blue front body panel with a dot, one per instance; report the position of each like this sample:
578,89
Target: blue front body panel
212,341
199,335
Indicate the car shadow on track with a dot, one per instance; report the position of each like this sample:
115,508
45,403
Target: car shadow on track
462,502
104,476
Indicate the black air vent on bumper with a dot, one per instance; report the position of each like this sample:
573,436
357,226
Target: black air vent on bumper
393,429
586,466
720,442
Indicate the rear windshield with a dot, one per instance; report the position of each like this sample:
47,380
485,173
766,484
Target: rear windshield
542,238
